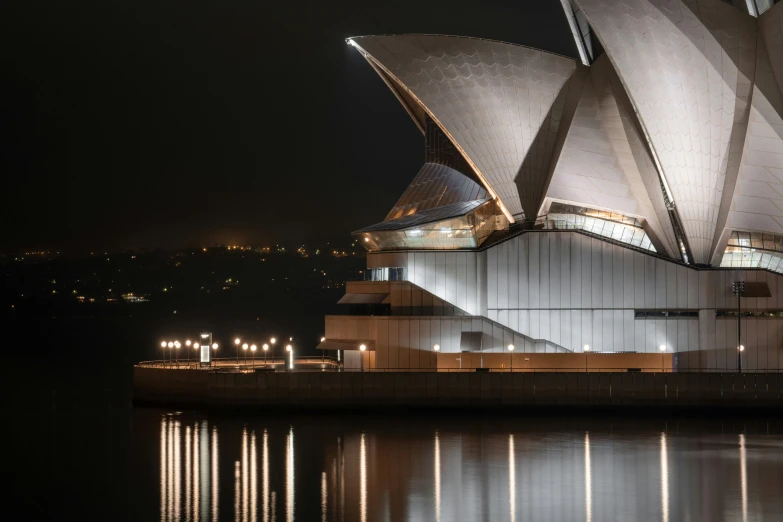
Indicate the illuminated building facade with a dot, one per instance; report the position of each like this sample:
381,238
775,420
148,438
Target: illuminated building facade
607,202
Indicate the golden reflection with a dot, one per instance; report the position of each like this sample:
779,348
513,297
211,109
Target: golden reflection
437,477
236,491
743,477
588,481
323,496
512,479
289,476
174,441
265,477
214,469
196,474
163,461
188,476
362,480
170,471
253,478
245,481
177,460
664,480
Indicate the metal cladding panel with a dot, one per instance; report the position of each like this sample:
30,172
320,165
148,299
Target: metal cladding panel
685,68
501,104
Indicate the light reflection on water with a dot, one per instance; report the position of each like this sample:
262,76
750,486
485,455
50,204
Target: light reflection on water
353,472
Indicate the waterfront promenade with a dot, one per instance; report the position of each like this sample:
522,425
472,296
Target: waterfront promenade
325,389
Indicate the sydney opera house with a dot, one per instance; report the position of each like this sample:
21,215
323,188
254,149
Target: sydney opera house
607,203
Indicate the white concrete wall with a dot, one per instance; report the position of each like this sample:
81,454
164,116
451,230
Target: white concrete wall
573,290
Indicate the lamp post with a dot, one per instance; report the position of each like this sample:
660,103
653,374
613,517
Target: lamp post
171,346
586,349
362,348
163,345
511,357
663,350
176,351
738,288
188,343
323,352
272,342
244,350
290,350
214,349
265,348
195,347
236,343
253,350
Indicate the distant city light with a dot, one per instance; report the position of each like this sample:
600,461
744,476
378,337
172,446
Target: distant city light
273,340
195,346
265,347
436,347
237,341
177,344
214,346
288,348
187,343
244,346
171,345
163,344
253,348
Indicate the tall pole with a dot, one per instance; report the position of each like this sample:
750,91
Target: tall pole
738,287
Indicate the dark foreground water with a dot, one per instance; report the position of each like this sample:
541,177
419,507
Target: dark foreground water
75,449
179,466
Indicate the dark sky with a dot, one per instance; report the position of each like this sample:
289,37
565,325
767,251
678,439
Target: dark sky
183,123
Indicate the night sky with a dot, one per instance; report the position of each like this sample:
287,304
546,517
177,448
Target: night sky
183,123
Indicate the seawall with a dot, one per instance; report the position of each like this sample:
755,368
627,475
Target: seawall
308,390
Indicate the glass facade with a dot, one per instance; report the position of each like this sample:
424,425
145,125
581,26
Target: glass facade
754,250
619,227
387,273
462,231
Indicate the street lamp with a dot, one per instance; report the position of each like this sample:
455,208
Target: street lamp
290,350
244,349
253,349
362,348
188,343
176,346
265,347
738,288
436,347
586,349
170,345
662,348
236,342
511,357
163,345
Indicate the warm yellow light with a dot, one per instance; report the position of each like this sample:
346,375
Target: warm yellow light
265,347
171,345
436,347
742,348
288,348
587,348
177,344
323,339
510,347
163,344
253,348
195,345
367,239
662,348
237,341
214,346
273,340
244,346
362,347
188,343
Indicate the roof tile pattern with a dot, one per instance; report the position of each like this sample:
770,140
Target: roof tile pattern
688,71
501,104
